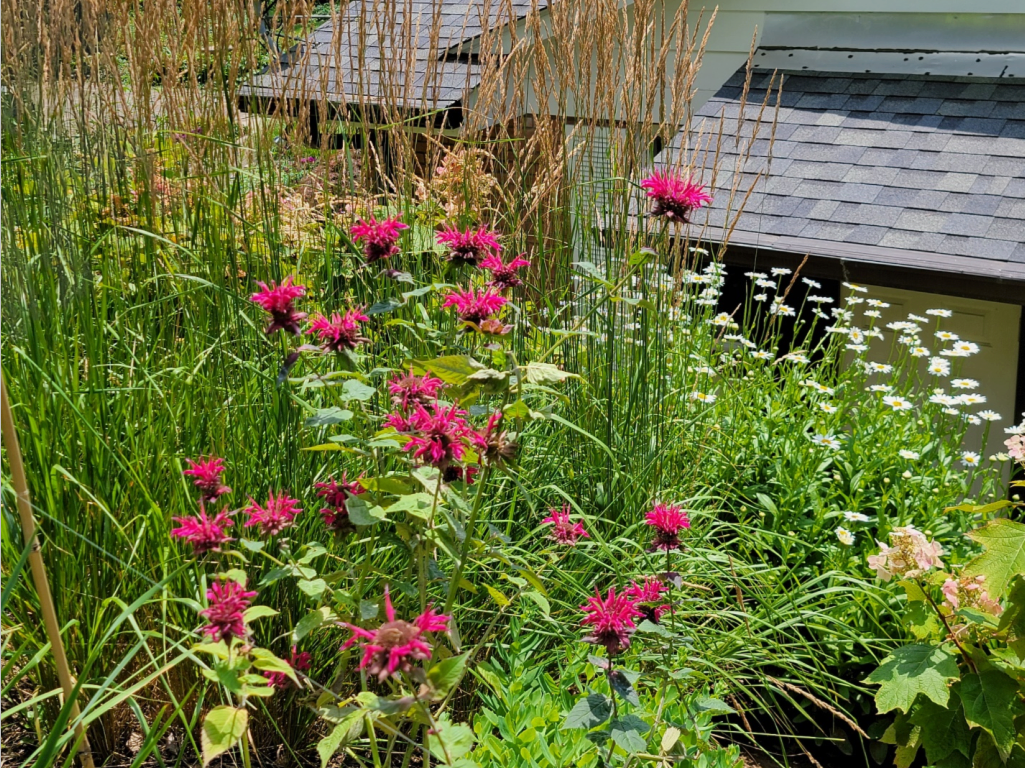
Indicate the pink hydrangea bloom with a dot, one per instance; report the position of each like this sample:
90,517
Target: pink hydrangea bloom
440,434
950,592
279,514
279,302
340,332
409,389
474,307
504,276
204,533
207,474
674,197
469,246
378,238
647,596
667,520
564,530
395,645
297,660
227,601
1016,447
610,619
911,554
335,513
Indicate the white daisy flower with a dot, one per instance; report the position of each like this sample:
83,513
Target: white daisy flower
940,399
974,421
797,357
841,314
880,367
952,411
909,455
856,517
812,384
962,349
764,283
701,397
873,333
761,354
939,367
810,283
821,299
878,388
901,325
721,319
898,403
854,300
856,347
844,536
756,275
920,352
782,309
857,335
964,383
827,408
939,312
989,415
827,441
877,303
696,278
761,297
819,313
837,329
970,459
947,336
873,313
780,271
908,341
970,398
707,302
853,287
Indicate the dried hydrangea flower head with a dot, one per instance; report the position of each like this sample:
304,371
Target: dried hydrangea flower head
204,533
969,592
909,553
469,246
279,302
473,306
340,332
335,514
503,276
207,477
378,238
674,197
227,601
610,619
409,389
297,660
647,596
564,530
397,644
279,514
667,520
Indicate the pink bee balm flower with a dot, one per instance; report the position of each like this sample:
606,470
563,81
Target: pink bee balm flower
674,197
278,515
470,246
336,514
378,238
278,301
563,530
204,533
395,645
207,474
667,520
409,389
442,434
340,332
611,620
648,597
297,660
227,601
504,276
475,307
496,445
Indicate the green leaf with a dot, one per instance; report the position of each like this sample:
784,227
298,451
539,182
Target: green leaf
268,662
416,504
709,704
325,417
451,739
452,369
594,709
353,389
545,373
385,305
541,600
361,513
350,728
1012,620
217,650
621,685
520,410
445,675
1004,557
498,597
368,609
991,702
944,729
223,728
313,587
911,670
254,612
228,678
310,622
629,733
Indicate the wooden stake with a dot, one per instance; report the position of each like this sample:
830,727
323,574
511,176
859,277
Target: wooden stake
35,559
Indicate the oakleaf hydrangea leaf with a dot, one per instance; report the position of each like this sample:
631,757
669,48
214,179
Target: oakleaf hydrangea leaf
911,670
1004,557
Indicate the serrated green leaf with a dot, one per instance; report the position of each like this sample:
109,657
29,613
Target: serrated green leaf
594,709
362,513
497,596
353,389
349,729
991,702
629,733
545,373
417,504
254,612
541,600
268,662
710,704
454,370
912,670
327,416
223,728
310,622
622,686
449,741
1004,557
313,587
445,675
944,729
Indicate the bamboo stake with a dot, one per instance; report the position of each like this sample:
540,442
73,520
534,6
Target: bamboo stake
35,559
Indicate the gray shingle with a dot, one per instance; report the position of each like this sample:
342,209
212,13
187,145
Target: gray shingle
921,221
1006,229
966,224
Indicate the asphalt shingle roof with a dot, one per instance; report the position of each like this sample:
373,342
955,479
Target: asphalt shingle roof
395,52
918,171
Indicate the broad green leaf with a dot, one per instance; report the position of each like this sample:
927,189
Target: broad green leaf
218,650
520,410
1012,620
911,670
445,675
268,662
498,597
416,504
385,305
594,709
545,373
1004,557
452,369
326,416
944,730
350,728
228,678
541,600
390,484
709,704
449,741
310,622
313,587
223,728
254,612
629,733
361,513
991,702
621,685
353,389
